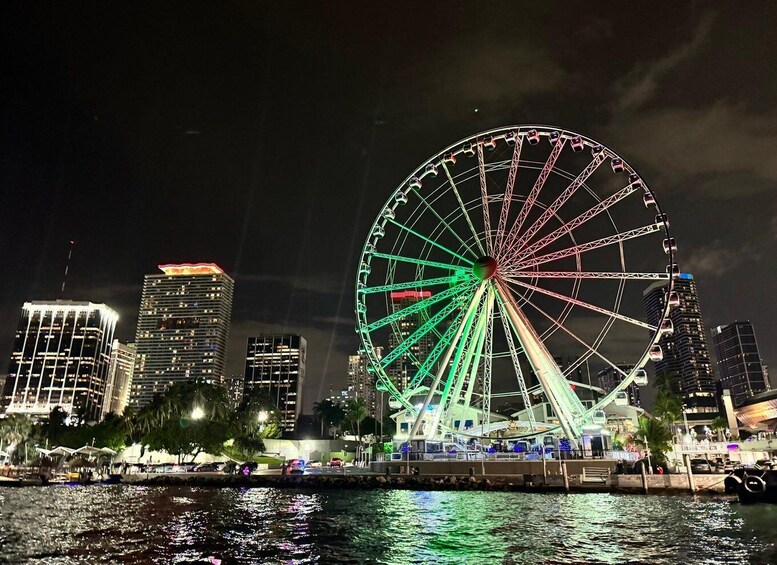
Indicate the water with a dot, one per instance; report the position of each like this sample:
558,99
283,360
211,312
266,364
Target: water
126,524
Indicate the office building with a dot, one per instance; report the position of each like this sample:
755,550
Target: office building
609,379
686,355
119,377
361,382
275,368
183,326
739,363
403,369
61,357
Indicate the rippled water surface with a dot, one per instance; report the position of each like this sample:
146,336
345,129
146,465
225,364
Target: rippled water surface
125,524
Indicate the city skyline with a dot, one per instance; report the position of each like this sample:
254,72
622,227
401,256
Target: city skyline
210,157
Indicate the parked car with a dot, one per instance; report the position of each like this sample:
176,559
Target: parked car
296,466
207,468
314,464
335,462
700,466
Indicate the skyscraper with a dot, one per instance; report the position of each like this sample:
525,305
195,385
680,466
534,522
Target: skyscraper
609,379
61,357
686,355
361,382
183,328
739,362
119,377
275,366
403,369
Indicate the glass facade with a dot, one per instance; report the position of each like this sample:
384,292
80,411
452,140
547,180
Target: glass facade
275,364
686,354
61,357
739,362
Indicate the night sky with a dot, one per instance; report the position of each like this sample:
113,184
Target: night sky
265,138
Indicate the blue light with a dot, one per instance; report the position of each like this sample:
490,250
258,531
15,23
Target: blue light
686,276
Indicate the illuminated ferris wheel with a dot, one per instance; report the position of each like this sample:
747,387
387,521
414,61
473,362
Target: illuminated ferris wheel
521,247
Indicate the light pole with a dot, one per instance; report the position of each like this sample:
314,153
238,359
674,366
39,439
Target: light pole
262,417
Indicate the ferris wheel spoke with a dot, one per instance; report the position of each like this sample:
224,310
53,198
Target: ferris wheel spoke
419,306
484,199
508,331
528,204
422,262
585,275
551,210
589,246
427,240
508,195
466,322
570,333
418,334
582,304
487,365
446,225
579,220
463,208
417,284
459,369
434,355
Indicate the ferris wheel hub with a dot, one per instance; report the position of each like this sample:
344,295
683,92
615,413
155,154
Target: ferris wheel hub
485,267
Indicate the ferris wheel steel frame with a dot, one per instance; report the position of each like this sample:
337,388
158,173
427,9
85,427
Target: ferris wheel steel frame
478,275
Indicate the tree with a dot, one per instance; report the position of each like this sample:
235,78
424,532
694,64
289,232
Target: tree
668,408
668,382
355,413
654,435
719,424
323,411
14,429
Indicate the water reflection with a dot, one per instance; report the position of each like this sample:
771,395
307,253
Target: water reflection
189,525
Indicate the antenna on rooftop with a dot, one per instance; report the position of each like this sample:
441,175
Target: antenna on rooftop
67,268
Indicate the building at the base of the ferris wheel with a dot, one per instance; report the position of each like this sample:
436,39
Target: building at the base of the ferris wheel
685,352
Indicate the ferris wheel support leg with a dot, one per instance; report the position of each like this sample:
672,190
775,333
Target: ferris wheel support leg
544,366
446,359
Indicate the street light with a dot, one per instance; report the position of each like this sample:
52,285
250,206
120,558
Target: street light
262,417
198,413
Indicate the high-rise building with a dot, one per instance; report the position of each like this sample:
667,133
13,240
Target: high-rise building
403,369
361,382
739,362
686,355
119,377
609,379
183,328
275,366
61,357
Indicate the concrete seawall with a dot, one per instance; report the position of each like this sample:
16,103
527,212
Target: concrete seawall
631,484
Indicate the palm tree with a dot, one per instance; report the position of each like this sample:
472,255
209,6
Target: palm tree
718,425
654,435
14,429
668,408
356,411
323,411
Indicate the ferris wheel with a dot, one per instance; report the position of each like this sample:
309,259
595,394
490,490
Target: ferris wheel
504,266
